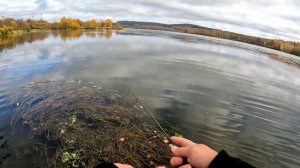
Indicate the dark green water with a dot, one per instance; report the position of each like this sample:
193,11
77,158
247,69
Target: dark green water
225,94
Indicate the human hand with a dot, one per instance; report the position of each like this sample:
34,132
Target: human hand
119,165
198,155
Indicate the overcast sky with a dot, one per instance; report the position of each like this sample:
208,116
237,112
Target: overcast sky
264,18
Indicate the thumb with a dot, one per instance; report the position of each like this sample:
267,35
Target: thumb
180,152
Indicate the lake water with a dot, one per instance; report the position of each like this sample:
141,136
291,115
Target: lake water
225,94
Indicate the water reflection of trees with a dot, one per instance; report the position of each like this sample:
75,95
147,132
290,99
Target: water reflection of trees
11,42
107,34
287,60
68,35
91,34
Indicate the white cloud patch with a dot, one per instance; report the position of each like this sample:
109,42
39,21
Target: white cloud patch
265,18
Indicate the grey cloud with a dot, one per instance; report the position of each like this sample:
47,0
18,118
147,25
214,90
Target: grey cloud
294,2
191,15
42,4
210,2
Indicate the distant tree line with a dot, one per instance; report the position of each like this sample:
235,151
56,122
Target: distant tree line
285,46
8,25
291,47
69,23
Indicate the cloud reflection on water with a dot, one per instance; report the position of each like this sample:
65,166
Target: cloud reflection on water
228,96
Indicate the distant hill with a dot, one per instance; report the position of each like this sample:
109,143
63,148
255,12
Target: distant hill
159,26
280,45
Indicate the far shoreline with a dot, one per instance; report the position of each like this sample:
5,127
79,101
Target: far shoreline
288,58
280,58
289,47
11,26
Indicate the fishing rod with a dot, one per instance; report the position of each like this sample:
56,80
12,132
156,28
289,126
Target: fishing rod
151,115
157,123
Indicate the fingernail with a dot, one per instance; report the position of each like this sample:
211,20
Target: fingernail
174,148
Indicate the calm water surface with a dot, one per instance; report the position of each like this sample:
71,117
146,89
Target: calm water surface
225,94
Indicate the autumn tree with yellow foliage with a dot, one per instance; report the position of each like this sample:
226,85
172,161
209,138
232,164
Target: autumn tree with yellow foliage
108,23
69,23
8,25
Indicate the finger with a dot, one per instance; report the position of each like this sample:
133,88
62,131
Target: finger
181,152
186,166
119,165
182,141
176,161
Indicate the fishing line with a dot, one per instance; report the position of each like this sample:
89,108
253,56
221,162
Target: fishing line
151,115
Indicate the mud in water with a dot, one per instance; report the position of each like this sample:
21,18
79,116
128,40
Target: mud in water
78,124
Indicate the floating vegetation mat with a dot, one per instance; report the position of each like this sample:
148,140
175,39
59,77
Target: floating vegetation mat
82,125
